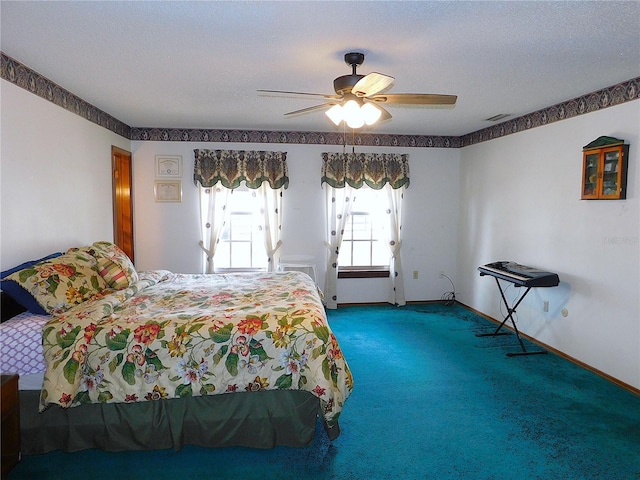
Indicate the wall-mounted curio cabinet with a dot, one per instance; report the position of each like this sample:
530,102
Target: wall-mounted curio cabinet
604,169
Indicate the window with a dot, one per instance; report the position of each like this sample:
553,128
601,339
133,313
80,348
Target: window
363,251
241,243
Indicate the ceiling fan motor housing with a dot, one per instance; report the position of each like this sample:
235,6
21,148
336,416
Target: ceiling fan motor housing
345,83
354,59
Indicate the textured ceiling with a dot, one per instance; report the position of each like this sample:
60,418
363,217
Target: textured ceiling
199,64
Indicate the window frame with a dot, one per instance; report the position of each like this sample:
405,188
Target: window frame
255,237
363,271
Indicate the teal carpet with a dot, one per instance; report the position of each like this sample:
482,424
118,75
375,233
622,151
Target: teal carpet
431,401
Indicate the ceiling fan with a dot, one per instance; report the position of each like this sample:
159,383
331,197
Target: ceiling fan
359,98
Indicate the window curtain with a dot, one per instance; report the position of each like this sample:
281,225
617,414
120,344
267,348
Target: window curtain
339,202
271,209
342,174
394,213
213,215
226,170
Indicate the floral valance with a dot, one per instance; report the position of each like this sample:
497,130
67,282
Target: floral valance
373,169
232,167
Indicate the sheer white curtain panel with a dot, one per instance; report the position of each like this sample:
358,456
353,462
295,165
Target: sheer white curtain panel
394,242
213,214
271,209
339,202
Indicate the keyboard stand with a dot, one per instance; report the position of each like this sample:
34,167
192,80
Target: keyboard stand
511,311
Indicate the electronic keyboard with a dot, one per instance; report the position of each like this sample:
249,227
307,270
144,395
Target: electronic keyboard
520,275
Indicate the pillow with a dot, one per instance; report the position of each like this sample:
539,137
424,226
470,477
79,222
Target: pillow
113,264
62,282
113,274
19,294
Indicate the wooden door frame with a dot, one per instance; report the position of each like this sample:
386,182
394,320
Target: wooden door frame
115,207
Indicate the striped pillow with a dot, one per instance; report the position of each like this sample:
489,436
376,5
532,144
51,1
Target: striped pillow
112,273
121,263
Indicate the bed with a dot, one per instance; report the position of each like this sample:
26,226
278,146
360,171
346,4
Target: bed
132,360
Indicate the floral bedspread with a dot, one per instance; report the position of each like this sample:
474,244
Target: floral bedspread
174,335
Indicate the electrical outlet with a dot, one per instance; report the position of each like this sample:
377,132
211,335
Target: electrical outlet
545,305
415,274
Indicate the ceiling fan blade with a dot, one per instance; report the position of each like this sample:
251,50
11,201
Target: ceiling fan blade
414,99
311,109
306,94
385,114
372,84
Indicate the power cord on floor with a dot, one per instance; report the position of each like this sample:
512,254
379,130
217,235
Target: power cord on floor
449,298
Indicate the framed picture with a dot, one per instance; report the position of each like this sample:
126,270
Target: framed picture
168,190
168,165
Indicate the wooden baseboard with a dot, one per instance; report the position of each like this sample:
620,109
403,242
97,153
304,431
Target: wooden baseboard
606,376
600,373
377,304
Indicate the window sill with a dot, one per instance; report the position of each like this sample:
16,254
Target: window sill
362,273
239,270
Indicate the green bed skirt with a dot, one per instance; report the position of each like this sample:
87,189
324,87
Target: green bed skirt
251,419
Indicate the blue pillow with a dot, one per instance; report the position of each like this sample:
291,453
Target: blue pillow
19,294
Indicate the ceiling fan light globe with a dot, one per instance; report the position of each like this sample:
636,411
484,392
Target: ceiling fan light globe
351,108
352,114
335,114
370,113
355,122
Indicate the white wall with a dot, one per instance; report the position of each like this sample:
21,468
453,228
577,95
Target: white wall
55,178
167,234
520,201
512,198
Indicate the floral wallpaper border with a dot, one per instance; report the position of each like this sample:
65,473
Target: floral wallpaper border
304,138
607,97
22,76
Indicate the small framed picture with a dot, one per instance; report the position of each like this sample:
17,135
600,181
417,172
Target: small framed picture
168,190
168,165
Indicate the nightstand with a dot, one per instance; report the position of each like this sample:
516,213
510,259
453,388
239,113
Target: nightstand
10,423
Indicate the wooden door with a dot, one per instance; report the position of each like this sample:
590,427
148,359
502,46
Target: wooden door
122,200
